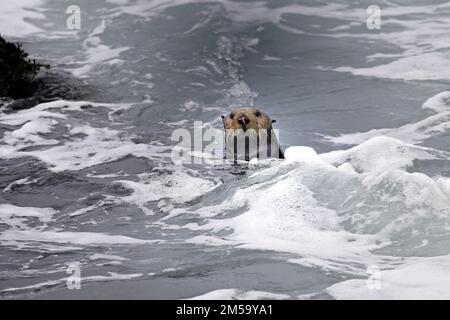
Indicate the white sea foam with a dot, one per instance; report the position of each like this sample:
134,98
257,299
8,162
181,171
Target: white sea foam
19,182
333,210
379,154
98,256
108,200
418,278
56,109
17,217
97,53
22,234
98,146
69,237
178,186
29,134
416,132
426,66
86,147
422,37
281,213
439,102
16,16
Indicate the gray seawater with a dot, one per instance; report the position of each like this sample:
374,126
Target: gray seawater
91,183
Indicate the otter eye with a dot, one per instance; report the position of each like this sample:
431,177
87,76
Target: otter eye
257,113
231,115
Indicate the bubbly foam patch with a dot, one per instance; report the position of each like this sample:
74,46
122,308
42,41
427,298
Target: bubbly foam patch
77,238
177,186
281,213
85,145
23,232
333,210
379,154
97,53
17,217
436,124
419,278
422,37
426,66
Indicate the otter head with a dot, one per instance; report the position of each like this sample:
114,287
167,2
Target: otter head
247,118
249,134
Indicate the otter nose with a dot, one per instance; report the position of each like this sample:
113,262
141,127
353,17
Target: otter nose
243,120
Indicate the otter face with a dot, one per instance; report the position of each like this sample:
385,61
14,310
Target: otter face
249,134
247,118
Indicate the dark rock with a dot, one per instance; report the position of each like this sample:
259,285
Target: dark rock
24,83
17,72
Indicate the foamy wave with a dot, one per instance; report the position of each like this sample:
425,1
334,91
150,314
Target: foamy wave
416,132
97,53
171,186
84,146
17,217
16,16
379,154
426,66
422,37
334,210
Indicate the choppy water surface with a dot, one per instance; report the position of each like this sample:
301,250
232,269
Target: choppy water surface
365,114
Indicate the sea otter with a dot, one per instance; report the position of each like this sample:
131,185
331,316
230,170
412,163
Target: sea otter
249,134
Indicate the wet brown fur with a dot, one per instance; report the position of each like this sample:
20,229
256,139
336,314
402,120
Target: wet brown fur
258,120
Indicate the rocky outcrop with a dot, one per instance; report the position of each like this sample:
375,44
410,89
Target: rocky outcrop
25,83
17,71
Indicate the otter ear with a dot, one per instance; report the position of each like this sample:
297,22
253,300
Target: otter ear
273,121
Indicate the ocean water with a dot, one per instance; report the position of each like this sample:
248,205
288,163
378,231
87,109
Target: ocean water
360,208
